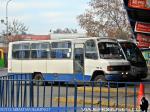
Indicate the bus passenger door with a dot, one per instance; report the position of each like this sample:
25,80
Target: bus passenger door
79,58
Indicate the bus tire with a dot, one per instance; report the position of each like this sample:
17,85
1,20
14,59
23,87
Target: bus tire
98,79
38,79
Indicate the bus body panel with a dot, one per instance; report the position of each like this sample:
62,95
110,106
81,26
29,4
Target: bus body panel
52,76
10,58
60,66
101,65
33,66
67,77
93,65
16,66
43,66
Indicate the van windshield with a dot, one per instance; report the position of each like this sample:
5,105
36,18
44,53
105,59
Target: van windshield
110,50
132,52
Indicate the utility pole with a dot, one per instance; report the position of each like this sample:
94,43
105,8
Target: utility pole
7,17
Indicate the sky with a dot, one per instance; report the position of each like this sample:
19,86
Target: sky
42,15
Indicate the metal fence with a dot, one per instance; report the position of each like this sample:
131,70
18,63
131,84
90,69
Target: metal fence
71,96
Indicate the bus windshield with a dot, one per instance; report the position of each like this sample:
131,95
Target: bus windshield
110,50
132,52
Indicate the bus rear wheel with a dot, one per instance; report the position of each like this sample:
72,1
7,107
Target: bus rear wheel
38,79
98,79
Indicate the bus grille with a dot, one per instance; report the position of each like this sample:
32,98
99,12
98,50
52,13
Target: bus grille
121,68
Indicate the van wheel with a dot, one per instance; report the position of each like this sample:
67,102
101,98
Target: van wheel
98,79
38,79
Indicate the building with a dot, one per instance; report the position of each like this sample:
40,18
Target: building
12,38
28,37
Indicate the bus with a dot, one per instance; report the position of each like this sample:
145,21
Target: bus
133,54
2,65
80,59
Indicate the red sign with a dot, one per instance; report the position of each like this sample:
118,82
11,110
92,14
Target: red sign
140,4
142,27
143,45
144,40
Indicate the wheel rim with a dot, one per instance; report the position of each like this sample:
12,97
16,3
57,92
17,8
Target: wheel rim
38,79
100,79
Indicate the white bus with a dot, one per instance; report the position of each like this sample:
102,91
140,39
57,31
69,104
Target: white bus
133,54
80,59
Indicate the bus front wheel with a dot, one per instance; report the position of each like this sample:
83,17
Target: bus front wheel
38,79
98,79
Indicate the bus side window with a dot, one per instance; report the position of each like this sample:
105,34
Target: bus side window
61,50
16,51
21,51
90,50
39,50
25,51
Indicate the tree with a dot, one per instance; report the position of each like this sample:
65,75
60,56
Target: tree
65,31
105,18
17,27
14,29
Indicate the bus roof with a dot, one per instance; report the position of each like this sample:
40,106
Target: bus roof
66,36
99,39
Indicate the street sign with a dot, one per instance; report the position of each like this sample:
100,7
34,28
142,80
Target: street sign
139,4
143,40
142,27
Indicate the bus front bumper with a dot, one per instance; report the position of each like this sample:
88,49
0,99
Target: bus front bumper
123,76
